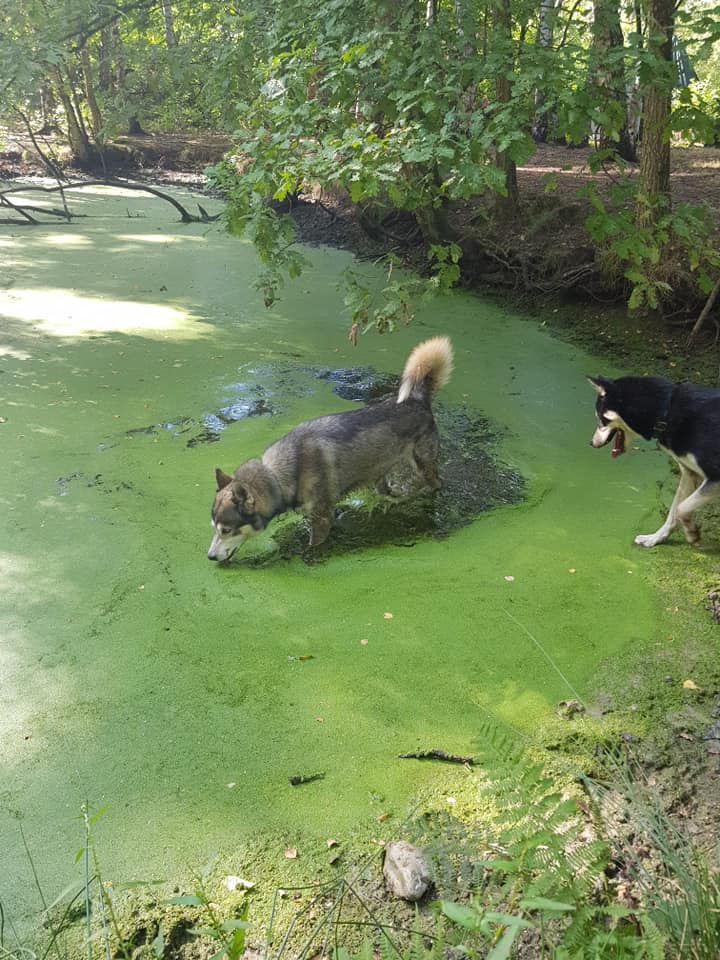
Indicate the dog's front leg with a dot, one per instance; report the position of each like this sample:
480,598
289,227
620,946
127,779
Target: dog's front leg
320,517
707,491
319,528
685,488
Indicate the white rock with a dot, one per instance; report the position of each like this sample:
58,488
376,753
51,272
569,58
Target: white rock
405,869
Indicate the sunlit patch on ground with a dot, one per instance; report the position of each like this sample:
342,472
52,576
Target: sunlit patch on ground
67,240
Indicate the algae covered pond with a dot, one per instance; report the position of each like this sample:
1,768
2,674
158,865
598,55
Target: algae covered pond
135,357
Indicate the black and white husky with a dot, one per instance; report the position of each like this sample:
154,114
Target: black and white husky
685,421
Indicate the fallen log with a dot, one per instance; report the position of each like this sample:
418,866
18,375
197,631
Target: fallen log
185,216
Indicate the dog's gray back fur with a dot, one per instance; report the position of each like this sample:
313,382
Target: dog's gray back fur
342,451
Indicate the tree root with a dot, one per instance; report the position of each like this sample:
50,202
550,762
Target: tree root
705,310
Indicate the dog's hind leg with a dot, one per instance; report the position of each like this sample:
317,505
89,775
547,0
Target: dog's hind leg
707,491
686,486
425,455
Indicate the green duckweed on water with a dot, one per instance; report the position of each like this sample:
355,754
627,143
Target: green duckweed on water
136,357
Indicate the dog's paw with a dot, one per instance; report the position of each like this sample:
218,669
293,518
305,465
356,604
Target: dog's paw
648,539
692,534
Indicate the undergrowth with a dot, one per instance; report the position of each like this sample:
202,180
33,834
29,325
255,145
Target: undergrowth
599,871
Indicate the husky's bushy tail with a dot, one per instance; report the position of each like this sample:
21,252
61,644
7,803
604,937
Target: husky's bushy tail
427,370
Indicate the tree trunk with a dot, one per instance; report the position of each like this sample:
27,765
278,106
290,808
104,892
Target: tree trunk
544,40
657,93
47,108
169,24
608,76
117,58
105,72
505,205
96,121
77,138
466,28
119,71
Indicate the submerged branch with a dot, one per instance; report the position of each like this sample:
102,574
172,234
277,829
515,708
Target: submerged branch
185,217
437,755
17,209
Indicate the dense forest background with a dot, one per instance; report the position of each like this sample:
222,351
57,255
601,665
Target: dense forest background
415,114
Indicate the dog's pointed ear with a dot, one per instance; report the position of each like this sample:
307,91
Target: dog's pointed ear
242,495
222,479
600,384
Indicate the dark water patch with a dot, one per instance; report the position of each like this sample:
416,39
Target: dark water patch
245,400
360,383
63,484
142,431
178,427
244,407
241,408
267,390
208,435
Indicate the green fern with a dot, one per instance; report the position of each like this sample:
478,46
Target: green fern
536,832
544,876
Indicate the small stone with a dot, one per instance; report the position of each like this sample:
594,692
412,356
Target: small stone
405,869
668,680
569,708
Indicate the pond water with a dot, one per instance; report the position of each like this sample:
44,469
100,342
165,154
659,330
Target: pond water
135,357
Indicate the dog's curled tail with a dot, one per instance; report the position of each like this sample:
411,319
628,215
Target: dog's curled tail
427,370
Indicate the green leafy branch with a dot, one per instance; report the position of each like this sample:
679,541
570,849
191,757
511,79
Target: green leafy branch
660,234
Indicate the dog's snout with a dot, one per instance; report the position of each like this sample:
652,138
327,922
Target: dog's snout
211,556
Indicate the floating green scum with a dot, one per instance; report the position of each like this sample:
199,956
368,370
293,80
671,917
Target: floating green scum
185,695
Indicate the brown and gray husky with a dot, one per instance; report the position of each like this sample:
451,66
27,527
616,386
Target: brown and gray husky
311,467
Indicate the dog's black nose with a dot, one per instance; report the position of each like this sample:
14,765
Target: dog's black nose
211,557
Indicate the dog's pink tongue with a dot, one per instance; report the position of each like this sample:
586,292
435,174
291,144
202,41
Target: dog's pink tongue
618,447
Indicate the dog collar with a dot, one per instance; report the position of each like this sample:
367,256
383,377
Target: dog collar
659,429
661,424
